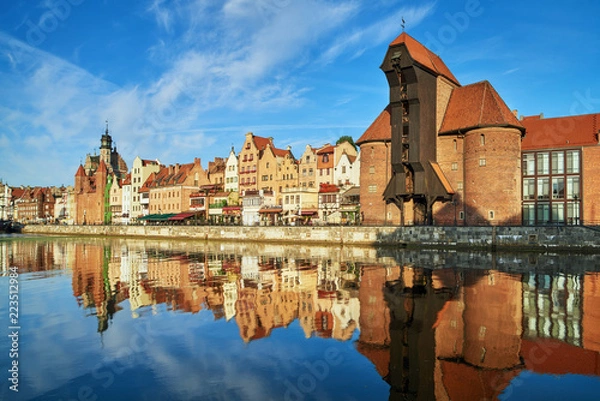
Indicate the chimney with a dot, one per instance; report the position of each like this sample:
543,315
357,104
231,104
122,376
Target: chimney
515,113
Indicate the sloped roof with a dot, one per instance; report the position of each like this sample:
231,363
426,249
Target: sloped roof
379,130
281,152
424,56
326,149
80,172
328,188
260,142
126,180
475,106
440,175
557,132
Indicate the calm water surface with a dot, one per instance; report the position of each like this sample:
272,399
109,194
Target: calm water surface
148,320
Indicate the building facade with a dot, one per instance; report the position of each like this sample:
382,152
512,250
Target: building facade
561,170
140,172
454,151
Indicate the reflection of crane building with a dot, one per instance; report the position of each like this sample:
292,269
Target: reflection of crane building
447,334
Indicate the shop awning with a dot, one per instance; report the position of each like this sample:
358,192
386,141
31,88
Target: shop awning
156,217
181,216
232,210
270,210
308,212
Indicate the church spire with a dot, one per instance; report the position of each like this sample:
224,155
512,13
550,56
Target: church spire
106,142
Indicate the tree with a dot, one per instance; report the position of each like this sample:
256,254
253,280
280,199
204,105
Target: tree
346,138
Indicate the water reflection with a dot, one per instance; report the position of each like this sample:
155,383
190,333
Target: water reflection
430,330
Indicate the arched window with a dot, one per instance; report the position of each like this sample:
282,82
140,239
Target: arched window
482,139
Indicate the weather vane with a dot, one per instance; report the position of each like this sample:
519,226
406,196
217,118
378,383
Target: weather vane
403,23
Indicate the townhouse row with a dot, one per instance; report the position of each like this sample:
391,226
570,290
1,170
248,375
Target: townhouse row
261,184
439,153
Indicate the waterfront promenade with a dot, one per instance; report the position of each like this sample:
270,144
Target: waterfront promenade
566,239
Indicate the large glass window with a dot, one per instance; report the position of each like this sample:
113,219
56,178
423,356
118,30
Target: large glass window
558,162
573,213
572,161
543,213
529,188
543,188
543,163
529,164
558,212
558,188
528,214
573,188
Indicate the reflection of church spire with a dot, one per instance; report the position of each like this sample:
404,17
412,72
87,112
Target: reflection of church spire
108,306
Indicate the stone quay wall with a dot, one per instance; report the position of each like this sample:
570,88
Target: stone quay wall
570,238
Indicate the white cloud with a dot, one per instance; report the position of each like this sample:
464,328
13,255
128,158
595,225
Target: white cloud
362,38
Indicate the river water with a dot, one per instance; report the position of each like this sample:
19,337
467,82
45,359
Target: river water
96,319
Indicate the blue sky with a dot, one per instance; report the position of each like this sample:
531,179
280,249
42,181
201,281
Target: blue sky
188,78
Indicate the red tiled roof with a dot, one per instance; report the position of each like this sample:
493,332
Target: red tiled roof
475,106
260,142
424,56
80,172
280,152
326,149
544,133
102,167
379,130
328,188
127,180
18,192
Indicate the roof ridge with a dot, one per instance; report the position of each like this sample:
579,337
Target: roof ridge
482,106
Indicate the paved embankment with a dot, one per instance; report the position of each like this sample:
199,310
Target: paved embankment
571,238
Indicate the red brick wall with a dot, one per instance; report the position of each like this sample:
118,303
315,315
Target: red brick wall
375,170
495,187
449,152
591,185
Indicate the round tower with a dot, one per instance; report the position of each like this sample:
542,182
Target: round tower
492,176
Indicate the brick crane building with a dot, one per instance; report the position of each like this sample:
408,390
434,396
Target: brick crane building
440,153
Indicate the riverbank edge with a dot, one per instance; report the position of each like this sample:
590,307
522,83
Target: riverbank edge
578,239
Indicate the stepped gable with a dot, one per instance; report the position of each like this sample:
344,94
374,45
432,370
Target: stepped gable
477,105
558,132
379,130
423,56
